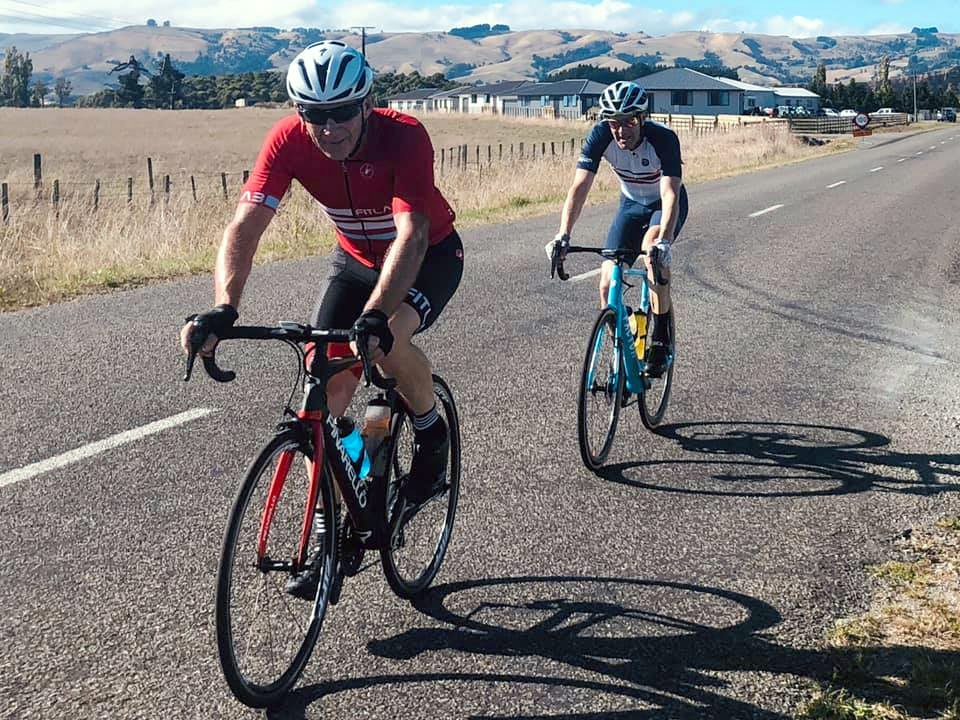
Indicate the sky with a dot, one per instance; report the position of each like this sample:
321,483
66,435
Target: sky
819,17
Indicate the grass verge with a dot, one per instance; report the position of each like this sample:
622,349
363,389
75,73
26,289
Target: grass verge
901,659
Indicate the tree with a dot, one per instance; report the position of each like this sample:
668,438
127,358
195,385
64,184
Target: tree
62,89
130,91
884,88
166,23
819,82
151,23
166,84
40,91
15,83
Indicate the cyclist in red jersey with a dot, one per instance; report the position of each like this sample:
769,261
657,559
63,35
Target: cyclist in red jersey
398,259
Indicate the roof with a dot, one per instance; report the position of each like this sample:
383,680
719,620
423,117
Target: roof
562,87
448,93
794,92
418,94
507,87
682,79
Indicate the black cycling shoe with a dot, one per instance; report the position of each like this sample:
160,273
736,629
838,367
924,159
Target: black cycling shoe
428,471
657,359
304,585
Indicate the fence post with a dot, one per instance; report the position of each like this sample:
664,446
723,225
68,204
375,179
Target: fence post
150,177
489,155
4,202
443,154
246,175
166,188
543,149
223,181
478,156
501,152
552,150
511,151
96,195
129,191
466,156
56,197
37,173
521,150
193,187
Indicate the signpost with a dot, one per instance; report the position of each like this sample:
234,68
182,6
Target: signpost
861,121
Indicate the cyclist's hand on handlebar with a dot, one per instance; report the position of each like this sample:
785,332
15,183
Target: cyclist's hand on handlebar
556,251
373,328
199,334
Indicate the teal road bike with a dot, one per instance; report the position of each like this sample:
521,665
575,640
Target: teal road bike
614,373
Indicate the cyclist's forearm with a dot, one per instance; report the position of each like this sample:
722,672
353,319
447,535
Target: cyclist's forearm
234,262
401,266
572,207
670,204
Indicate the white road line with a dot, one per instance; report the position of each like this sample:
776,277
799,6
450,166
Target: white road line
765,210
841,182
584,276
81,453
933,147
877,168
901,159
919,152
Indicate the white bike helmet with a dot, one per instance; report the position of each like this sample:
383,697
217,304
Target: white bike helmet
328,73
623,98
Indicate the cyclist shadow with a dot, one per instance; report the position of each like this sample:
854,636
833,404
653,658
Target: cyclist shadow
617,649
780,459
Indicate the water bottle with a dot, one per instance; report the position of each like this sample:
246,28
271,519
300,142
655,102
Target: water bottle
353,444
638,324
376,424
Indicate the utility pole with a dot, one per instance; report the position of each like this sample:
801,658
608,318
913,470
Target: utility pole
363,36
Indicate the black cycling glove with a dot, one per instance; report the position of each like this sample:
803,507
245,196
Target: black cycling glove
214,321
374,323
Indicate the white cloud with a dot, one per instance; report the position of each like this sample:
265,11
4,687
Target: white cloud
797,26
888,29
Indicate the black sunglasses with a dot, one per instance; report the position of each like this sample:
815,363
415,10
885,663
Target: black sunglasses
320,116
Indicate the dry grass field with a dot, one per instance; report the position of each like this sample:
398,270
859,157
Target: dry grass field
49,253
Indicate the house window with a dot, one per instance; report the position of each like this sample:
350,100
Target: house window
544,99
473,99
681,97
719,97
487,99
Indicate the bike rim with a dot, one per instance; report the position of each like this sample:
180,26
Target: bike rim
601,387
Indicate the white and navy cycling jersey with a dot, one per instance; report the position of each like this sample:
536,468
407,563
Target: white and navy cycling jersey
640,169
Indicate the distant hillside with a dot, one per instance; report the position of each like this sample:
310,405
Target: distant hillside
472,55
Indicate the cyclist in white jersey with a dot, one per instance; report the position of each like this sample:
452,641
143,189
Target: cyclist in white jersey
653,202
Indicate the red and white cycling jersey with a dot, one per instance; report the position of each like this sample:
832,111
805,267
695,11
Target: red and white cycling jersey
392,172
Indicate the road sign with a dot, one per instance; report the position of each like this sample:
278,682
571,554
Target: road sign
862,133
861,120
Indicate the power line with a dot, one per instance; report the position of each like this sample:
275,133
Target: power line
67,15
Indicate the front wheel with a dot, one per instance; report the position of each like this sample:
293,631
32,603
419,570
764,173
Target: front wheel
415,548
264,635
601,388
653,400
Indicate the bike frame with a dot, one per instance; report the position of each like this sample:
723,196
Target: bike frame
625,354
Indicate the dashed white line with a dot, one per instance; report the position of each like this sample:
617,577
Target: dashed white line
933,147
901,159
765,210
876,169
81,453
840,182
919,152
584,276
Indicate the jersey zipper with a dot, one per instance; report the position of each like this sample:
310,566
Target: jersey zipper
353,211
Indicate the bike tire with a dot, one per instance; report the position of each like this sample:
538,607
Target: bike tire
656,394
259,682
601,384
413,553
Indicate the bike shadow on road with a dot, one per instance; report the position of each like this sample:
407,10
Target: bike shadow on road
782,459
630,648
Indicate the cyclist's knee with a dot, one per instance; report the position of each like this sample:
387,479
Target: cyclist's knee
340,389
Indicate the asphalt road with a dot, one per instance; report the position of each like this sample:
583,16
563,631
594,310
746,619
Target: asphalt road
815,415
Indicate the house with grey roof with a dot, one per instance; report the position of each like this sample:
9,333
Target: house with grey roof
758,96
418,99
563,98
489,98
688,92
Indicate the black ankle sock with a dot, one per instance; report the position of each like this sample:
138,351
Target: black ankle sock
661,327
428,427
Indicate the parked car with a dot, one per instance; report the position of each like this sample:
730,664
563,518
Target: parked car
828,112
946,115
848,113
883,111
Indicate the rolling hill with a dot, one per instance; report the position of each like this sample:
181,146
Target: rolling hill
86,59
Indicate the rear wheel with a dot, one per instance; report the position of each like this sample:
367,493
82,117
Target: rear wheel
654,398
264,635
601,388
415,548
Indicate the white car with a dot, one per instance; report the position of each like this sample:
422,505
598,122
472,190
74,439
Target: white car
848,113
883,111
830,112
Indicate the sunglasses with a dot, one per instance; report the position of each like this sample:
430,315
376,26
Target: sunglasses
630,121
320,116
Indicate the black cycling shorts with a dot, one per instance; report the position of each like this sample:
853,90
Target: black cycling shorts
350,282
633,219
